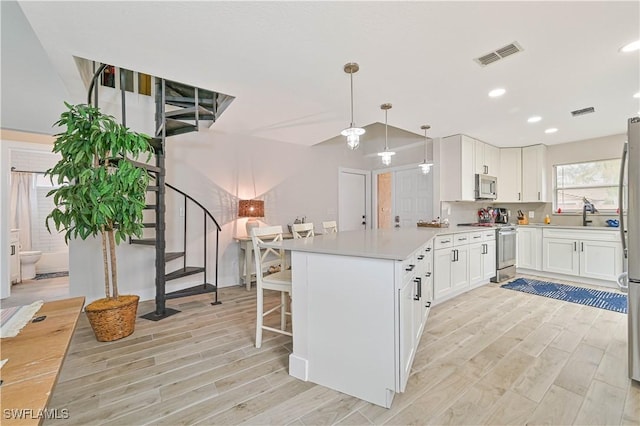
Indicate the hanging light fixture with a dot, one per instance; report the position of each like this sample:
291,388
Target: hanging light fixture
425,166
386,154
352,133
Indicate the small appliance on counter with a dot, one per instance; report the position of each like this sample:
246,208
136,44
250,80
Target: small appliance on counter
502,215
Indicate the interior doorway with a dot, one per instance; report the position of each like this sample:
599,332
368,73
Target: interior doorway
403,196
353,202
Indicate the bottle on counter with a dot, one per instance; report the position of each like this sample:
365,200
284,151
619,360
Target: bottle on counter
547,220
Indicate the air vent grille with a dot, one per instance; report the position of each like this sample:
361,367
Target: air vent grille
499,54
583,111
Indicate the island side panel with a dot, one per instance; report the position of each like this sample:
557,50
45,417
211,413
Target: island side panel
348,324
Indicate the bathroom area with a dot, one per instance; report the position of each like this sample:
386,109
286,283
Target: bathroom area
35,253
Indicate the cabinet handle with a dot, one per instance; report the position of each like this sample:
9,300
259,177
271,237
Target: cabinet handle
410,268
445,241
428,305
418,295
575,246
519,196
538,195
462,239
428,249
13,249
477,236
428,274
420,257
581,246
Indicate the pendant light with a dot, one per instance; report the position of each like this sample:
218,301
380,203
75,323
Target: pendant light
386,154
352,133
425,166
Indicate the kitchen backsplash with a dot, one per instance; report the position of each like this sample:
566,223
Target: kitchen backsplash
466,212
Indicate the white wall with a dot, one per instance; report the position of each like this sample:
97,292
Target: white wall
218,169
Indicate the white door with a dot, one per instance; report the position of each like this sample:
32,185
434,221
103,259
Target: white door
412,197
352,207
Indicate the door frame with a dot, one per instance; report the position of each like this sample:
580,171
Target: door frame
367,192
374,188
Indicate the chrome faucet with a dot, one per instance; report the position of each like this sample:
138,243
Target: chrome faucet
587,207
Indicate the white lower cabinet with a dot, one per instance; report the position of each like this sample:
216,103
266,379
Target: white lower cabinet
414,299
529,248
482,257
462,261
583,253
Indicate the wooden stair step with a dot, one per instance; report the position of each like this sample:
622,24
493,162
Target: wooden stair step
149,167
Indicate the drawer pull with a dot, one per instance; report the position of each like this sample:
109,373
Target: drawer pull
410,268
418,295
477,236
421,256
445,241
428,305
428,249
428,274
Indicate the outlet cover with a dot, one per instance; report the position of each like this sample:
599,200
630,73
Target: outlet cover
531,214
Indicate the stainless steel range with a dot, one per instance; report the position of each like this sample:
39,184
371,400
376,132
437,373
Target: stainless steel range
505,253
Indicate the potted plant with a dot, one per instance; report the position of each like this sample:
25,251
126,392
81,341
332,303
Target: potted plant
100,192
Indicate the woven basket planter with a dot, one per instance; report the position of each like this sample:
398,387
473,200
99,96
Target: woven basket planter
113,319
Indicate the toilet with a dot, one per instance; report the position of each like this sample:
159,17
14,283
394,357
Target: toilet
28,260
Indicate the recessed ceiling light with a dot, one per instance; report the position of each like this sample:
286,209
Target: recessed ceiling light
551,130
497,93
534,119
630,47
637,95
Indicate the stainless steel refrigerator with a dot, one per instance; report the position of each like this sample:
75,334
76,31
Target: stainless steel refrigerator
630,280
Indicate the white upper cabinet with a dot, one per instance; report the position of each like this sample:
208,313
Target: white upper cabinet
510,177
457,177
534,168
522,176
461,157
486,159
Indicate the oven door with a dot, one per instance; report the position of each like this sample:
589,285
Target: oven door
506,255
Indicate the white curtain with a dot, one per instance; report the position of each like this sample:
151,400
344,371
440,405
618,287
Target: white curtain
20,214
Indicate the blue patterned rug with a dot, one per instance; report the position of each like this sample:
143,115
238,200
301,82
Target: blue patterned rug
585,296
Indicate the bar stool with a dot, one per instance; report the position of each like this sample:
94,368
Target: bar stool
266,259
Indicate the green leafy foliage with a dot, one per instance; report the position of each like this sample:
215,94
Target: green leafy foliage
100,188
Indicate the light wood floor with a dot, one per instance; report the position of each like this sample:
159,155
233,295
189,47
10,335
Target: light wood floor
490,356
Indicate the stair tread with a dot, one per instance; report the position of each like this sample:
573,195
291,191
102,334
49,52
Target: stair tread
172,255
149,225
150,206
174,88
192,291
149,167
186,113
183,272
144,241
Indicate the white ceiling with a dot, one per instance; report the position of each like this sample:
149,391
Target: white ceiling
283,61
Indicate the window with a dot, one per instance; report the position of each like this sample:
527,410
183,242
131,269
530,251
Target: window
144,84
595,180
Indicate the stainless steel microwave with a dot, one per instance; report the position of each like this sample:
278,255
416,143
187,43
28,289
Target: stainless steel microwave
486,187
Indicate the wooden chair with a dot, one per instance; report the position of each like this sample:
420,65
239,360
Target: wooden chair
270,259
302,230
330,227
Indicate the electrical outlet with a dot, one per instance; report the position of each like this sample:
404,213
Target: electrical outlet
181,211
531,214
448,210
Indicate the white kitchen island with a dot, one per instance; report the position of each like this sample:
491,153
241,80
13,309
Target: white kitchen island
360,300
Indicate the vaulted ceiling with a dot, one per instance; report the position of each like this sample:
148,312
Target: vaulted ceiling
283,61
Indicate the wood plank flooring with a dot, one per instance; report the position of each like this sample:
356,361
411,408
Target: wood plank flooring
490,356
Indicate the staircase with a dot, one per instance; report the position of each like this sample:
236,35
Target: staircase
180,109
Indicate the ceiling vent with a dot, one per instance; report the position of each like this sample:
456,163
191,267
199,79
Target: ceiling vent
498,54
583,111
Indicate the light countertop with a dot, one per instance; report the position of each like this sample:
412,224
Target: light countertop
391,244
